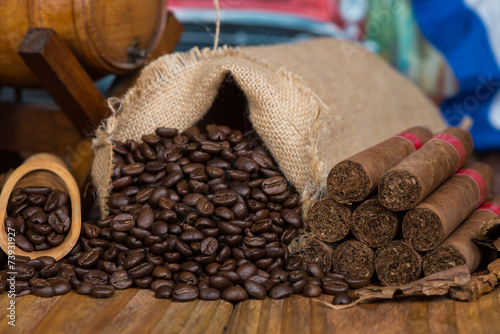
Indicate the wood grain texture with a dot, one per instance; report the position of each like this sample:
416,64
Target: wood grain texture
40,127
50,59
134,310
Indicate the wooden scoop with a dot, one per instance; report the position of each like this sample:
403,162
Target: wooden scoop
45,170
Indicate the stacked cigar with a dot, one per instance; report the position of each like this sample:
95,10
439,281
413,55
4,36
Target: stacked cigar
409,204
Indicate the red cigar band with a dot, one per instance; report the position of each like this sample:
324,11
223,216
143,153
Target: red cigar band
412,138
457,145
478,179
491,207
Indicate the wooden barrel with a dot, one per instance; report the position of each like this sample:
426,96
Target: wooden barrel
98,32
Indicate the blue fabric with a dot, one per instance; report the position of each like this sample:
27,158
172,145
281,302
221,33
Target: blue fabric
460,35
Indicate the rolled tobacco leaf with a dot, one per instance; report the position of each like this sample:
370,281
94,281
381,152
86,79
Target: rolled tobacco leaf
397,263
353,258
315,251
489,234
354,179
374,224
330,221
416,176
426,226
458,249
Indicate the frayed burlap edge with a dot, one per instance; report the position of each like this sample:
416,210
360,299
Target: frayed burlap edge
166,67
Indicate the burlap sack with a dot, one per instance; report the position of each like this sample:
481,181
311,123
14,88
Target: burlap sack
313,103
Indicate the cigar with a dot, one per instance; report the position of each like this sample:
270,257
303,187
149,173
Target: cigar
374,224
397,263
353,258
330,221
416,176
458,249
427,225
356,178
315,251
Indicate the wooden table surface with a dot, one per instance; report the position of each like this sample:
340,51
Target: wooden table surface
137,311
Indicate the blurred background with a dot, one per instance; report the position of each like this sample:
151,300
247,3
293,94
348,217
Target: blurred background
449,48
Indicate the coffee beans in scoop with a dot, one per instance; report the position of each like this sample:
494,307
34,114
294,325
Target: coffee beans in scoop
39,216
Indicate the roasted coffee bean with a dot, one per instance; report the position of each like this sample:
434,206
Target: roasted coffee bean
298,286
164,291
289,234
102,291
89,258
280,291
90,231
23,271
209,246
61,287
292,218
59,221
34,238
191,235
43,291
146,218
141,270
185,293
209,294
144,282
261,226
187,277
311,290
166,132
341,299
254,254
293,263
37,190
333,288
357,282
96,276
123,222
55,239
226,197
118,200
235,294
51,270
161,272
219,282
274,185
228,228
297,275
134,259
120,280
247,270
23,243
35,199
315,270
155,285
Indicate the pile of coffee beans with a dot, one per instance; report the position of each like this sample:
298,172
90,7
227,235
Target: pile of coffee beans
198,215
39,216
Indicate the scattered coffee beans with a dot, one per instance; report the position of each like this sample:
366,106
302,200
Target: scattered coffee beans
193,215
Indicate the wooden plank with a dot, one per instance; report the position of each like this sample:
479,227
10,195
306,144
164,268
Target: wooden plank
50,59
41,127
319,315
195,317
245,317
271,313
490,311
75,313
417,318
297,315
468,317
30,311
441,316
141,314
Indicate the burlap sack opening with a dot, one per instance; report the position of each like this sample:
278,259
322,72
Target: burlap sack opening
313,103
